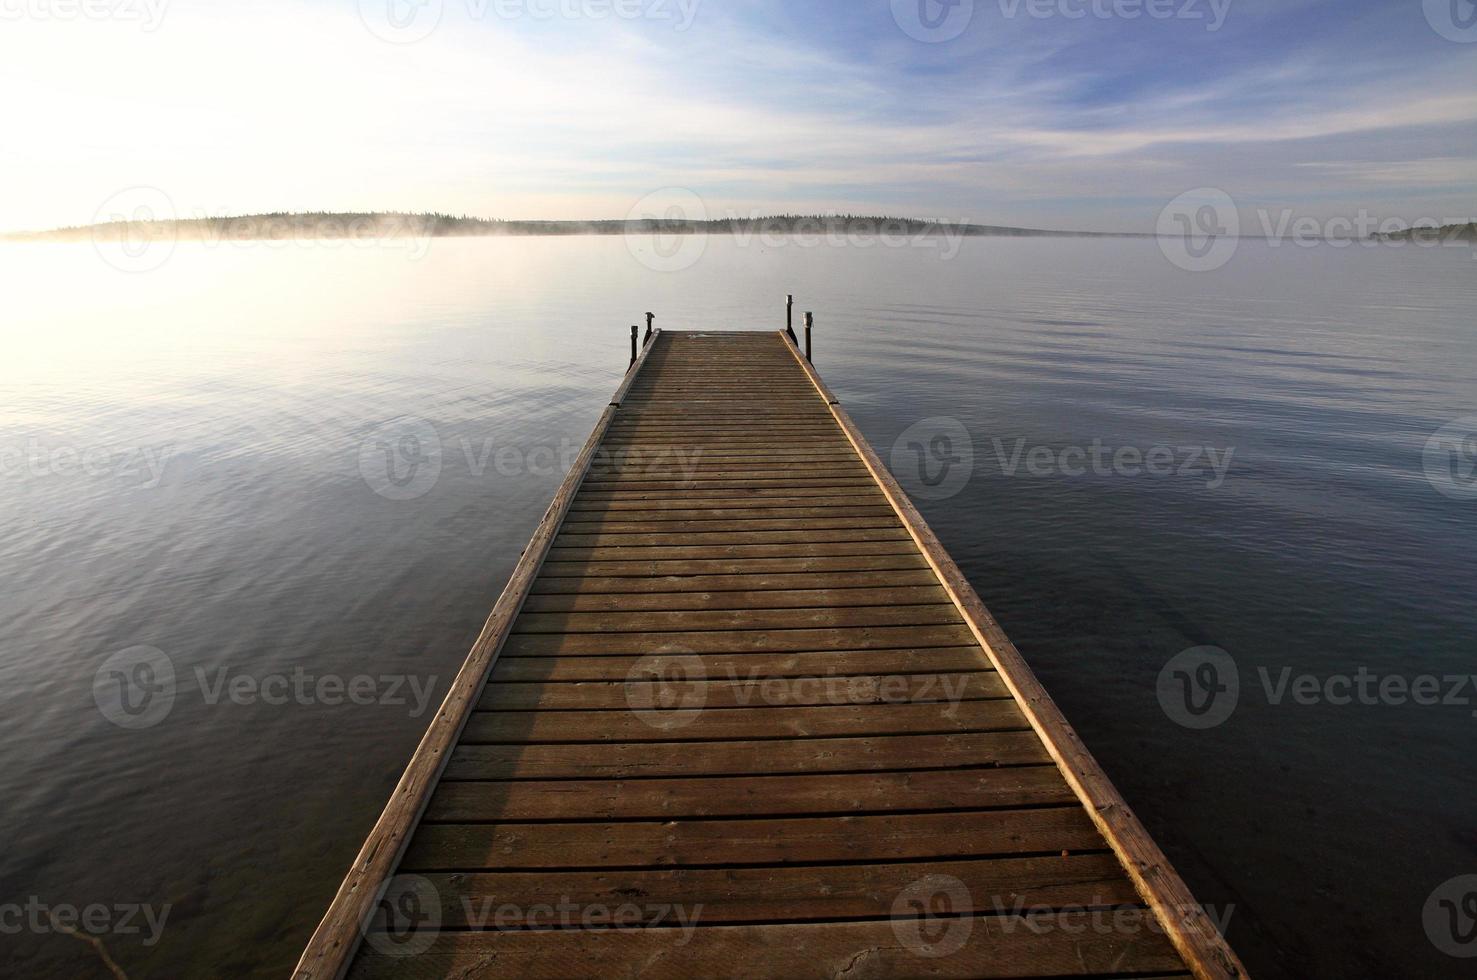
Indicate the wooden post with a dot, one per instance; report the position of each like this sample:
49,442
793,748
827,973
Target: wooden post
809,322
647,339
634,347
790,319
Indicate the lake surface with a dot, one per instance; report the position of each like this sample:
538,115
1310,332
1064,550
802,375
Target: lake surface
186,471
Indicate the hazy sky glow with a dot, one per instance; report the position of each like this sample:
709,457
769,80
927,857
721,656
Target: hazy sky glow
1066,114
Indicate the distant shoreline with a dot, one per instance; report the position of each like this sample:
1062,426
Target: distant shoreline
383,225
380,224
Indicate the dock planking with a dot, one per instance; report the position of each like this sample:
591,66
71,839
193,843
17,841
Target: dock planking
738,714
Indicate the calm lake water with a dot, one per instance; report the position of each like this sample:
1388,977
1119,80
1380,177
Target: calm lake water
182,472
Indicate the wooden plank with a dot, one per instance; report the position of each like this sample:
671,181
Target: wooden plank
840,617
737,641
720,415
691,444
616,504
717,454
636,693
828,721
591,585
756,521
736,666
732,566
787,893
749,796
628,469
668,539
812,425
751,496
709,843
712,551
748,599
732,483
691,478
885,753
991,948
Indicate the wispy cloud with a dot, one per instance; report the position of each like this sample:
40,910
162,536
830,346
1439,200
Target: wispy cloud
1088,122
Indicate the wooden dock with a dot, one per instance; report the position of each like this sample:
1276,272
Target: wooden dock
738,714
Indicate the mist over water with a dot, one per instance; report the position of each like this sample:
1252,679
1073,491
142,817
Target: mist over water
208,460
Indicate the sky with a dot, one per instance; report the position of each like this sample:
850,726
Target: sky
1071,114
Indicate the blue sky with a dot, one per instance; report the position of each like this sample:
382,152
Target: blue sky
1050,113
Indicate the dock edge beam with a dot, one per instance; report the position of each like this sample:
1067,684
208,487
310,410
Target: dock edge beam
331,949
1192,932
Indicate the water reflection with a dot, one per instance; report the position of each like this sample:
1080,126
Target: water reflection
272,465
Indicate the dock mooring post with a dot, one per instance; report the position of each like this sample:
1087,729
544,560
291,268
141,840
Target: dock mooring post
809,322
634,348
790,319
647,339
